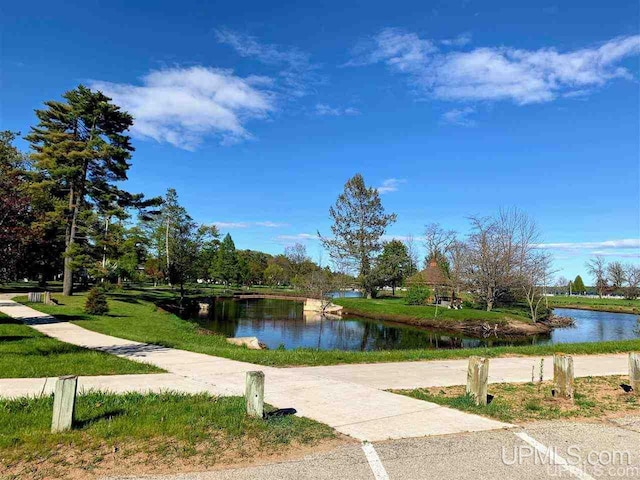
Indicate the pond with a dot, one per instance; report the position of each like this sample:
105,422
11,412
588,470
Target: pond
282,323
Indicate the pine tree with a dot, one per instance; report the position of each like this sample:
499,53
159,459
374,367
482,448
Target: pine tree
359,221
81,148
578,285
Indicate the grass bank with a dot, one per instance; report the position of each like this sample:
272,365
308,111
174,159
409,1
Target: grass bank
24,352
135,317
615,305
143,434
595,397
468,320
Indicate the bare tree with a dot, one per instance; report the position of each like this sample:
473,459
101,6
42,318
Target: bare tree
438,241
297,256
412,251
597,268
616,274
498,249
319,284
533,278
632,278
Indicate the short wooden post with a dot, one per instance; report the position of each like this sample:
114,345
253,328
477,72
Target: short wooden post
254,394
634,371
47,298
64,403
563,375
477,378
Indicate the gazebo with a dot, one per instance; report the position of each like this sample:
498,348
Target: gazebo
437,279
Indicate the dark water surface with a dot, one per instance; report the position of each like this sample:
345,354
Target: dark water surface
283,323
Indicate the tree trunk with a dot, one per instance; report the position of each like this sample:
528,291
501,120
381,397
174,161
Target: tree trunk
166,246
489,299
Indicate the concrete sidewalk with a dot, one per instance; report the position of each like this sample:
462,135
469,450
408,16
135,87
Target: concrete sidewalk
361,411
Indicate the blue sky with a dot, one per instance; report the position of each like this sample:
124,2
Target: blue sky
257,113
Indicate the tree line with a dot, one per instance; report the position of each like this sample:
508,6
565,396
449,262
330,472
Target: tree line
63,210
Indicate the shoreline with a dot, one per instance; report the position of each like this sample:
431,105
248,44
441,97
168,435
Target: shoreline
623,309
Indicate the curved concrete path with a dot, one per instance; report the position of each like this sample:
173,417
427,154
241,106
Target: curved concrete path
361,411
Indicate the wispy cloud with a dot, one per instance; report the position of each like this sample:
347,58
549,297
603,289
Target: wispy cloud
182,106
269,224
297,237
390,185
626,243
459,41
233,225
400,238
296,72
322,109
497,73
460,116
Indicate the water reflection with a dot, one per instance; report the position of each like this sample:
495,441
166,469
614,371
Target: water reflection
283,323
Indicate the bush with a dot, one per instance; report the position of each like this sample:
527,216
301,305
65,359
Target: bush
96,303
417,295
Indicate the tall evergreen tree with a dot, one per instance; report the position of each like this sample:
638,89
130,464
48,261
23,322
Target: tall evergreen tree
359,221
81,148
227,262
578,285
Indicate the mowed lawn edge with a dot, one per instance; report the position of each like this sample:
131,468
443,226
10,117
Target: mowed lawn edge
140,320
146,433
27,353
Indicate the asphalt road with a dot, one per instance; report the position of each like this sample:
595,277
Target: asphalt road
552,449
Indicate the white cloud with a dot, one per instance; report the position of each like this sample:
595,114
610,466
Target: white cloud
498,73
400,238
625,243
459,41
182,106
399,49
298,237
296,72
323,109
230,225
270,224
390,185
610,253
460,116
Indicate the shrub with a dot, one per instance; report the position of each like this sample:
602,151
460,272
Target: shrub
96,303
417,295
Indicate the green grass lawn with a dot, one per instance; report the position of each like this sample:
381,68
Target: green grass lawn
595,397
24,352
124,433
138,319
390,308
595,303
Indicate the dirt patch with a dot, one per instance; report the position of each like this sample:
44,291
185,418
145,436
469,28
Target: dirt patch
154,458
595,398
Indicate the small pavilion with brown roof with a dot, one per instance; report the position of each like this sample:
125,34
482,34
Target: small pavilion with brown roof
435,278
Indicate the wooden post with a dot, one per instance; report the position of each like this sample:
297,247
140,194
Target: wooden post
634,371
254,394
64,403
563,375
477,378
47,298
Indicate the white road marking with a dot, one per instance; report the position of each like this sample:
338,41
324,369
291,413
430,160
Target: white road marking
374,461
554,458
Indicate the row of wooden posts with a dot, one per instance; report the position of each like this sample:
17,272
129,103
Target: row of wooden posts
40,297
563,376
64,397
66,389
